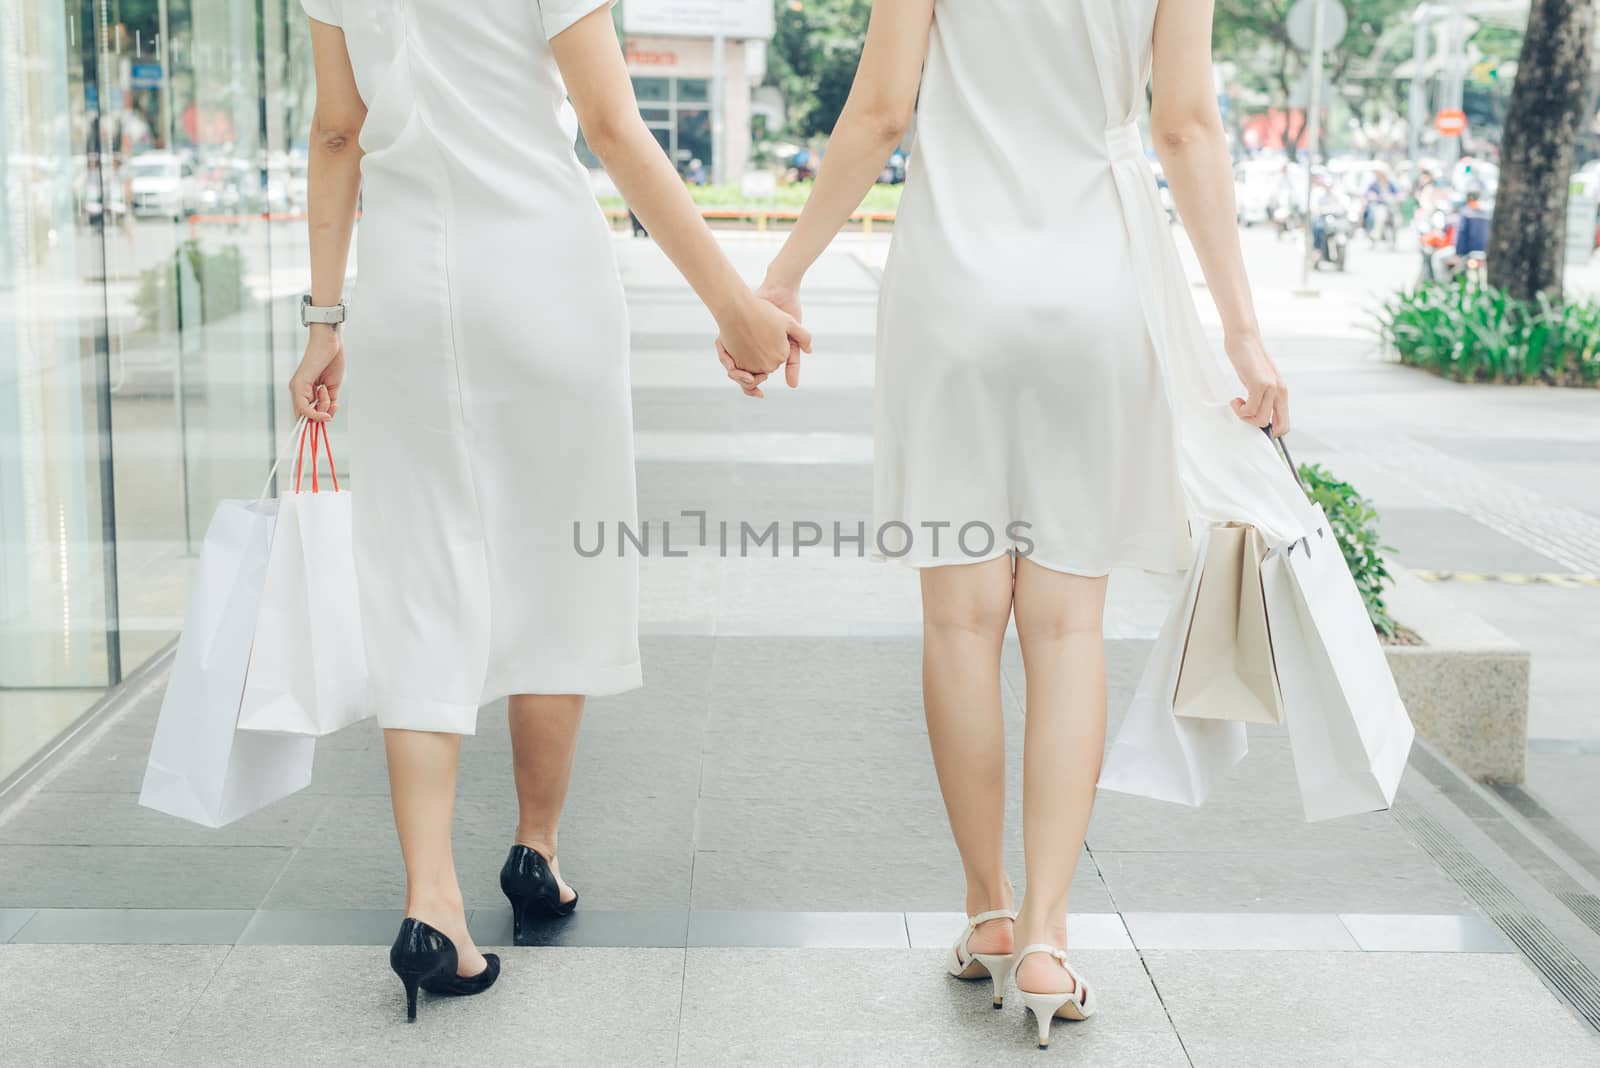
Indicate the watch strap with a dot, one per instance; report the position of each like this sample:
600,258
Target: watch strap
312,313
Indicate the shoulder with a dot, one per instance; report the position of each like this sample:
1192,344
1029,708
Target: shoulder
323,10
559,15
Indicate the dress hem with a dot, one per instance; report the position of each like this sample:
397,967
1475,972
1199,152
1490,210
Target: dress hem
1065,569
447,717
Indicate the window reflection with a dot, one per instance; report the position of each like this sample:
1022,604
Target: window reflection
152,249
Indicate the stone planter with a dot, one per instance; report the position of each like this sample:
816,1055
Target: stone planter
1466,686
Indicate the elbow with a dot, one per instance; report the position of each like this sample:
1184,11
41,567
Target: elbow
886,123
606,132
1176,134
336,134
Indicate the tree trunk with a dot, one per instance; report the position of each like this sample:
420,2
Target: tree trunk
1550,104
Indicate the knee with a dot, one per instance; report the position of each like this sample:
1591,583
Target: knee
974,615
1056,623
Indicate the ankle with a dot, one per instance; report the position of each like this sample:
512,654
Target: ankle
1049,930
422,903
990,896
541,841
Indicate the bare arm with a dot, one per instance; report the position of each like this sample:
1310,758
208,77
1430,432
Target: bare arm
1194,154
874,121
597,81
333,184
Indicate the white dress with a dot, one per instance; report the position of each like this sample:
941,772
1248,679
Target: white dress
1018,390
487,343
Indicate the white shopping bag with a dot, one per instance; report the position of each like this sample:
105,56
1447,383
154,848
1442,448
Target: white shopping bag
1157,753
202,768
1347,725
308,672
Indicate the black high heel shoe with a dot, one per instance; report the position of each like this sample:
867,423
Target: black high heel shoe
533,891
424,957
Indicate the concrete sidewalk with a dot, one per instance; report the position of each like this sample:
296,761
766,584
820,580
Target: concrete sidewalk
766,870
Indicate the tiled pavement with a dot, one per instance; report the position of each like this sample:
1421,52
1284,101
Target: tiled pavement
765,864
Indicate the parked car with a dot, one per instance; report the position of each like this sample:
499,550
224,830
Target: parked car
159,184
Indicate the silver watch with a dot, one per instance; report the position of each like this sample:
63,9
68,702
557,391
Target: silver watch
311,313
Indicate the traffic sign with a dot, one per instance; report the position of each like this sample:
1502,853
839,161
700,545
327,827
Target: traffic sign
1452,122
1302,23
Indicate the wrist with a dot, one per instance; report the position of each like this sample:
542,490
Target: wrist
323,331
781,275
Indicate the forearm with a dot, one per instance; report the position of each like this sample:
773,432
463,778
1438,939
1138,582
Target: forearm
1195,159
657,195
856,154
333,186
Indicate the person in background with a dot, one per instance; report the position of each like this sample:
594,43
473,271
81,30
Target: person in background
1472,236
1380,190
696,173
1325,201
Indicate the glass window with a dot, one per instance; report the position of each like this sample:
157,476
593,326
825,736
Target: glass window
693,90
652,89
145,320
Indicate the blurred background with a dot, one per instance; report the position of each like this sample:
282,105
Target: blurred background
153,248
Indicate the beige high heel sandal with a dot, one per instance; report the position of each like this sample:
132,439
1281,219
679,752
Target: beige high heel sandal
965,964
1048,1007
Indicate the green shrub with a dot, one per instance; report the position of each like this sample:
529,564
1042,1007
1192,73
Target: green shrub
1472,333
1355,524
218,277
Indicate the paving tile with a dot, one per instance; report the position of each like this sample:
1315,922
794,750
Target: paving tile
340,1005
899,1007
91,819
1279,882
374,878
322,927
1085,930
1357,1009
138,877
71,1005
805,930
1238,930
820,878
588,927
1426,934
12,921
195,927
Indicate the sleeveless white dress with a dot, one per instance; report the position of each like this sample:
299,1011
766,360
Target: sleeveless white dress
487,342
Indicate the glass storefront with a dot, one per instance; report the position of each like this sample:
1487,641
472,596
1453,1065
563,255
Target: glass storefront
152,252
678,112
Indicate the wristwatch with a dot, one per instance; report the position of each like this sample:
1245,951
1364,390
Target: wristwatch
311,313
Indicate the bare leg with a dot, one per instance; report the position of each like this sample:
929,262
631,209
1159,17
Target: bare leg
1059,621
422,787
965,608
544,739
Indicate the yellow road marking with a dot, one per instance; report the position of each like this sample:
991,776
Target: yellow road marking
1511,578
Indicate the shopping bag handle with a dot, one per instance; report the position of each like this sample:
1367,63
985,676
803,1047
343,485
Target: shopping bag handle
318,434
278,460
1282,445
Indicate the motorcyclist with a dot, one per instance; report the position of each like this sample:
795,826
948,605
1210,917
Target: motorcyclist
1472,236
1325,202
1381,190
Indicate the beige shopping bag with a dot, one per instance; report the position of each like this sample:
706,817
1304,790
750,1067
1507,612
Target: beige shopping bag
1228,671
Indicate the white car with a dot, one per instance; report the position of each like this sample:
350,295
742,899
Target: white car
157,184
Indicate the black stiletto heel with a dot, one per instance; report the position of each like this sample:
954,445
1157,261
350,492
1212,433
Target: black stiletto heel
424,958
533,891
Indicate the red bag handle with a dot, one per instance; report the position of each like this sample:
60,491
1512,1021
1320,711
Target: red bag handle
318,433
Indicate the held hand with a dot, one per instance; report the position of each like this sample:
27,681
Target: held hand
757,335
1267,400
314,386
786,298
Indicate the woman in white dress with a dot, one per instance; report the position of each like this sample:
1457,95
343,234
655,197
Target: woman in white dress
1045,399
492,414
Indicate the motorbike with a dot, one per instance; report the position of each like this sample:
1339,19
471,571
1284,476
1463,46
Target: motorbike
1384,223
1335,250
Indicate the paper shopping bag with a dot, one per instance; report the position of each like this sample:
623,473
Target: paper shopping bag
1227,670
202,768
1161,755
308,672
1347,724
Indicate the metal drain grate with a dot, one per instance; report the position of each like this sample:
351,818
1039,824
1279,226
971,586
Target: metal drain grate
1570,977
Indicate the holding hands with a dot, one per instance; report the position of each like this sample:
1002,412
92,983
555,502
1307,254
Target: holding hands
738,352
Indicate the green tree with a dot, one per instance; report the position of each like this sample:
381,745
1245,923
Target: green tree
813,58
1551,103
1255,33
